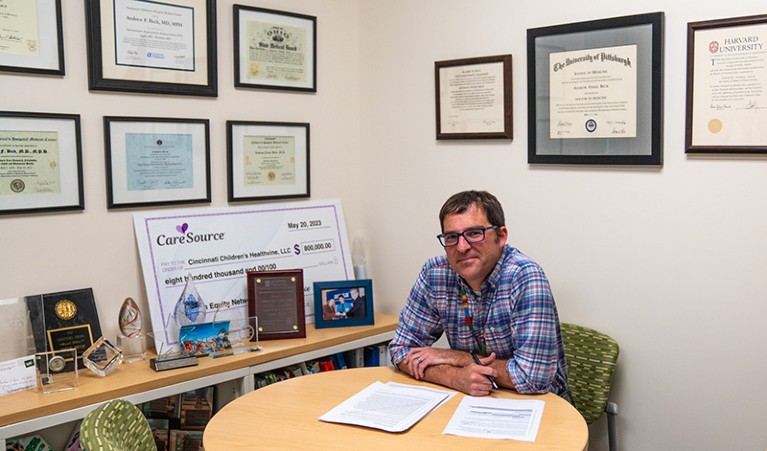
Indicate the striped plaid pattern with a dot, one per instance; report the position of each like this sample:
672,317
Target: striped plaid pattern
514,316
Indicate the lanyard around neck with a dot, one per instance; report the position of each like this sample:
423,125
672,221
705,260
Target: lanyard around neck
481,346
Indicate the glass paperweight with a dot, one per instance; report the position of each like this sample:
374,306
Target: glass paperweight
53,372
131,341
102,357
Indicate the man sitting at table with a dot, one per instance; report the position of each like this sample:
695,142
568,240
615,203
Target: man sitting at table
491,300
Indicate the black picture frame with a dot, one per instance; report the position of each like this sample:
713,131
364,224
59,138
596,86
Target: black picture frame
469,105
590,140
268,160
276,299
723,115
348,309
42,53
259,31
115,65
54,180
153,161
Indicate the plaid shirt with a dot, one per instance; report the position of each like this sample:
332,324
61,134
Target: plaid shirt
514,316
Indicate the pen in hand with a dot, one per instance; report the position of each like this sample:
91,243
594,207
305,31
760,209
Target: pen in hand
490,378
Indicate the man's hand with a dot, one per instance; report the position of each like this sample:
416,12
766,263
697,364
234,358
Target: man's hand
418,359
454,369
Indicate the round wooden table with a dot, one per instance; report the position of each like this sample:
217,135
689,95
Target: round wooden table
285,416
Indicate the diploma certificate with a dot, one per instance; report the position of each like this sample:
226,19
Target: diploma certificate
18,27
471,98
269,160
159,161
593,93
153,34
29,163
730,87
276,52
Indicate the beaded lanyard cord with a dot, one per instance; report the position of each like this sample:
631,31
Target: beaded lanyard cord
480,345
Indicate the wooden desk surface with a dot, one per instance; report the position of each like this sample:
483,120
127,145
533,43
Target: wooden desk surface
286,415
137,377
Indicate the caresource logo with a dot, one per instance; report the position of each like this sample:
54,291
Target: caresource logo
186,236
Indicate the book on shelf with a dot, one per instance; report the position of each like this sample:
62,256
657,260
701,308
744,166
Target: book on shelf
196,408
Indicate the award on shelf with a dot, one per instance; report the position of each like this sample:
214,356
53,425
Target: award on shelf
64,320
56,371
131,340
190,308
277,299
102,357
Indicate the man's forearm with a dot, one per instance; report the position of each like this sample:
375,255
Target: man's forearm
446,375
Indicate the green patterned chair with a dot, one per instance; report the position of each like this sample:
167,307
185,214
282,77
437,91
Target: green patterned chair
116,425
591,357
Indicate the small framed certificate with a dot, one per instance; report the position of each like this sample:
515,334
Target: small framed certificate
274,49
267,160
31,37
41,166
594,92
166,47
726,86
474,98
276,298
156,161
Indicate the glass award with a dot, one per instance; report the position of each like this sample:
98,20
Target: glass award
190,308
56,371
131,340
103,357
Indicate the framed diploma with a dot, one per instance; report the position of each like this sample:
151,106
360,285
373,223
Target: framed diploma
41,166
726,86
276,298
267,160
274,49
31,37
474,98
159,47
156,161
594,92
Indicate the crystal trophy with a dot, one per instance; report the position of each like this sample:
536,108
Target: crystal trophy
102,357
190,308
131,340
53,373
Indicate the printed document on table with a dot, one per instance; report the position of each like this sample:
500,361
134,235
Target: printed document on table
496,418
391,407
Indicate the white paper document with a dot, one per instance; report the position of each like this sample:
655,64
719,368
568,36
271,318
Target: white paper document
496,418
391,407
17,375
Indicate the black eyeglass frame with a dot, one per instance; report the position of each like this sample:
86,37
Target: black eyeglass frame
441,236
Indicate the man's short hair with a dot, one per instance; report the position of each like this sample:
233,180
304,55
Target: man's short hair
460,202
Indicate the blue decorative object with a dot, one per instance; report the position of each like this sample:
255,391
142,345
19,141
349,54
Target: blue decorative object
190,308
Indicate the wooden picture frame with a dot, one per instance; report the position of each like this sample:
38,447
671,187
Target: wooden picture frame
32,38
152,47
276,298
725,85
154,161
351,302
474,98
41,167
274,49
595,92
267,160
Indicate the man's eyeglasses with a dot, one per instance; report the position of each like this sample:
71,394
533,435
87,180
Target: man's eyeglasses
472,235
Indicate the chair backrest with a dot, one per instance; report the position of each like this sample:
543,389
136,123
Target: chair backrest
116,425
591,357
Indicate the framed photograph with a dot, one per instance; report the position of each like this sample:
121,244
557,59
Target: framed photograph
726,86
267,160
276,298
41,167
166,47
274,49
31,37
156,161
474,98
343,303
595,92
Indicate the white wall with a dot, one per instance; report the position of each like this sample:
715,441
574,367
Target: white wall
669,261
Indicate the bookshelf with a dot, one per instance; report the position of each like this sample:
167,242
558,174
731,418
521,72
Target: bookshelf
29,411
